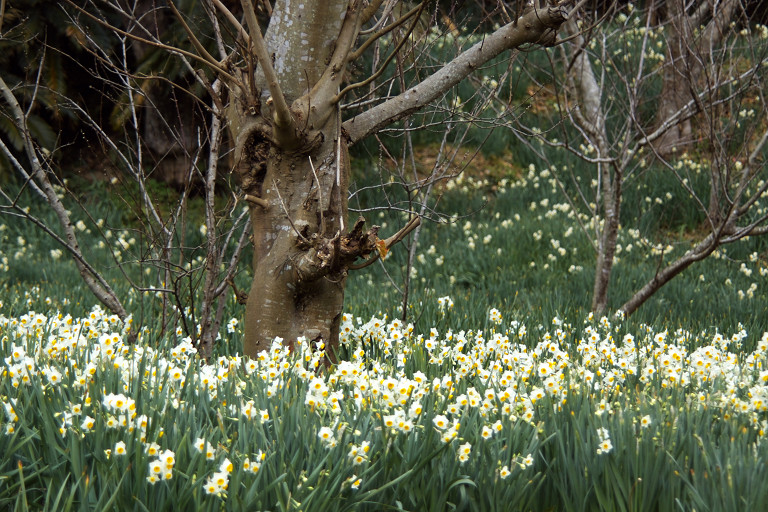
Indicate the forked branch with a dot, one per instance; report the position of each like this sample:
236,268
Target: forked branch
384,31
383,246
192,37
232,20
386,62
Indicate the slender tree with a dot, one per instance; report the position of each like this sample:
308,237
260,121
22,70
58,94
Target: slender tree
699,86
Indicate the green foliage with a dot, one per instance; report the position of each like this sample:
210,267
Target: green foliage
516,244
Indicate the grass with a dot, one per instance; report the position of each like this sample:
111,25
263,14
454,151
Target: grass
508,418
525,252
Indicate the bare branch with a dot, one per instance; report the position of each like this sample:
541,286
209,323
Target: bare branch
193,38
235,259
369,11
384,31
234,21
662,277
172,49
20,168
282,117
384,64
2,15
212,260
535,26
92,278
256,200
327,87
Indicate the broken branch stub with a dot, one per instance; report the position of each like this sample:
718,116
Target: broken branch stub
332,257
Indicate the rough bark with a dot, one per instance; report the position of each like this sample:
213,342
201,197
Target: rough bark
299,277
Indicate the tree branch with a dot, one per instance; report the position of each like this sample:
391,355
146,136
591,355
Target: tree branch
386,30
282,117
535,26
234,21
384,64
383,246
193,38
701,251
369,11
93,279
171,49
324,92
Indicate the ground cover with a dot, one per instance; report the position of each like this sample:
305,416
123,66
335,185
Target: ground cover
497,392
512,417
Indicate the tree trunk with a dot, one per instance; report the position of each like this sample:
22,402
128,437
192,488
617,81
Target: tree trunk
685,72
677,79
302,37
290,295
606,252
591,119
297,186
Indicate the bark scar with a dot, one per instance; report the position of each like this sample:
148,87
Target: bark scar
253,149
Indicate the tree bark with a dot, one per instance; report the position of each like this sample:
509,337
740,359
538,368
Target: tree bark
296,177
302,53
298,290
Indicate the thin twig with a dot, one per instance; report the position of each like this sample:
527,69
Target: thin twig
285,210
383,66
172,49
319,193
